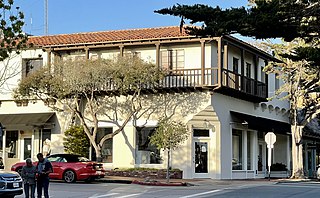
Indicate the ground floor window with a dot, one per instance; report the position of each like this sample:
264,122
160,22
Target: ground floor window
237,160
11,143
46,141
106,149
146,153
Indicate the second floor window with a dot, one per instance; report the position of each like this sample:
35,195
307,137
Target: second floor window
172,59
235,64
263,75
248,70
31,65
276,82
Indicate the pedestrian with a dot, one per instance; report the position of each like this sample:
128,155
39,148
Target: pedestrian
1,163
29,178
44,167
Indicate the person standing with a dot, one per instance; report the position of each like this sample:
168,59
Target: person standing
29,178
1,163
44,167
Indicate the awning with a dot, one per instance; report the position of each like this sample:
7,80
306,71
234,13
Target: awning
262,124
18,121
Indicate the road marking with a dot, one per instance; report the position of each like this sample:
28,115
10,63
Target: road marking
204,193
105,195
132,195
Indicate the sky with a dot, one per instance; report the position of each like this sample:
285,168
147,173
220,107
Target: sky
74,16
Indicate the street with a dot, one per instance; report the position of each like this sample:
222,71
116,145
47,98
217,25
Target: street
261,190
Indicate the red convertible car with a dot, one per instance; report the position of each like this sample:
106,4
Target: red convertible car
70,167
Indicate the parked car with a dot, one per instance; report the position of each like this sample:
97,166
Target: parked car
70,167
10,184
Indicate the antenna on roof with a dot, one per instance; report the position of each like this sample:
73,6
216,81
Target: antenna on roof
46,21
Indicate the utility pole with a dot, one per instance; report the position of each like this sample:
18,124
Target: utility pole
46,21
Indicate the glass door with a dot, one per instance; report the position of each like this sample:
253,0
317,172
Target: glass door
27,148
201,157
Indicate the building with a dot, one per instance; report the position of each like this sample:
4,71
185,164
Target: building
228,112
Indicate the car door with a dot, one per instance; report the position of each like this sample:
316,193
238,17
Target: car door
56,164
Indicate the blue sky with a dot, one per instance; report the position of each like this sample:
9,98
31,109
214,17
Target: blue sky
72,16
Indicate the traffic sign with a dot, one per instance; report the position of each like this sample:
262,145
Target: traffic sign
270,139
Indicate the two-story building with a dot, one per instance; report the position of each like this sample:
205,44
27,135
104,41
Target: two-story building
227,110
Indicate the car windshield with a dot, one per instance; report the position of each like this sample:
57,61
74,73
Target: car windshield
54,158
67,158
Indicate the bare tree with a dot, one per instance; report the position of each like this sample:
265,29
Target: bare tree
301,87
95,90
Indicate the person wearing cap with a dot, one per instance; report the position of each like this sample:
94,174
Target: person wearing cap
29,178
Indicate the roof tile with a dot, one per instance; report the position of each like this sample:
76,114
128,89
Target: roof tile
108,36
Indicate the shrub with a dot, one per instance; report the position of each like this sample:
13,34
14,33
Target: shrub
278,167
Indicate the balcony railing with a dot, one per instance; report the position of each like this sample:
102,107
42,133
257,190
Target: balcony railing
190,78
243,84
230,84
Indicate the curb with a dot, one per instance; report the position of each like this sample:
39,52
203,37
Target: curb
115,181
294,181
156,183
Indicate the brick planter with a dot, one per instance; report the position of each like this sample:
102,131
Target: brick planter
152,174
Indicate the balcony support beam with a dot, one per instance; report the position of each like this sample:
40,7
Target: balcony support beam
203,56
242,68
86,50
121,50
49,57
158,54
219,55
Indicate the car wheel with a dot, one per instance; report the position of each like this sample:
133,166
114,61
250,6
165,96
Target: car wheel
69,176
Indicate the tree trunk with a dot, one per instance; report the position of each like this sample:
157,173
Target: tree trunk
297,154
168,165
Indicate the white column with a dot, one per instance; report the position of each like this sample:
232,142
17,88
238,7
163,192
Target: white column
33,155
244,151
289,155
255,151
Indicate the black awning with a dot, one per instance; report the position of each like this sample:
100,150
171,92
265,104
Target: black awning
10,121
262,124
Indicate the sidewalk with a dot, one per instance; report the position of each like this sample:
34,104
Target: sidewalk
197,182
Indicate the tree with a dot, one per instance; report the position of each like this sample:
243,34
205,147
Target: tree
76,141
95,90
11,34
12,38
287,19
290,19
300,83
168,136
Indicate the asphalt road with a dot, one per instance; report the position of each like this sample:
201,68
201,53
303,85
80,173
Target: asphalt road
108,190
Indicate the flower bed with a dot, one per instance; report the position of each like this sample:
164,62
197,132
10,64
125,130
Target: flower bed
152,174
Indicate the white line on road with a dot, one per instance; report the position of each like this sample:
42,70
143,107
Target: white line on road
204,193
132,195
105,195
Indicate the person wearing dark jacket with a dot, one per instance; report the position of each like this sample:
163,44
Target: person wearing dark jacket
44,167
1,163
28,175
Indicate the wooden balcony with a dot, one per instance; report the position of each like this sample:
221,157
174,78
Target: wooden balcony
231,84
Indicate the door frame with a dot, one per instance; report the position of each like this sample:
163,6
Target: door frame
193,167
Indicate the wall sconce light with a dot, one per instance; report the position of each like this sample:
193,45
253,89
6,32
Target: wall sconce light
208,125
244,123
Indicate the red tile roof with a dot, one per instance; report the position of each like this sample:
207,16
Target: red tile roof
108,36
